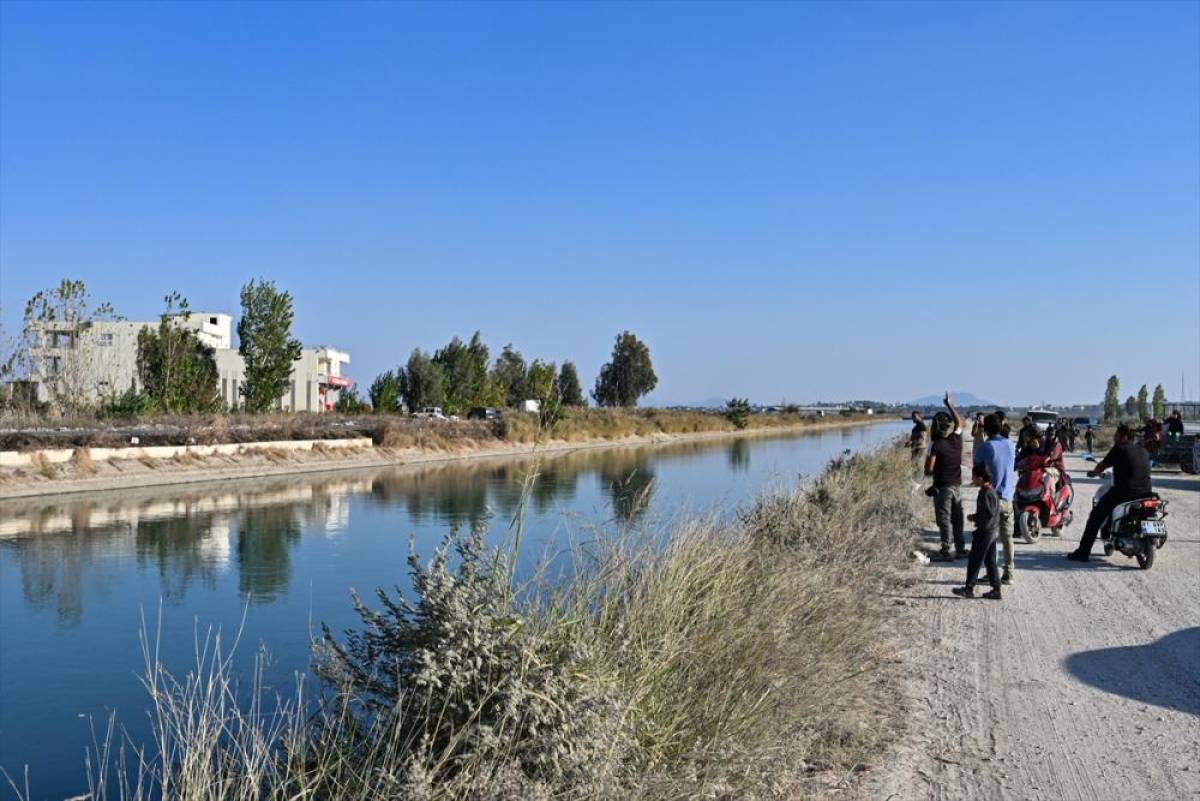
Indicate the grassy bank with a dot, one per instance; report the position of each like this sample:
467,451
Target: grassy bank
389,430
741,658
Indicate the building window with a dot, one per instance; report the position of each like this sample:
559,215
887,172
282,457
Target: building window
212,320
53,365
106,340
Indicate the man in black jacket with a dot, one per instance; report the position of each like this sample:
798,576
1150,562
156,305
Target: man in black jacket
1130,463
944,465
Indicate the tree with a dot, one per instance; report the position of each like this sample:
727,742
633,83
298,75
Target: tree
465,370
1143,403
570,393
540,381
384,393
49,354
1160,402
266,344
1112,399
1130,406
509,371
421,382
177,371
737,411
629,375
348,402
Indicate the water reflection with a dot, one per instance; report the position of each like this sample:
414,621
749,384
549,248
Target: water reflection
739,455
63,548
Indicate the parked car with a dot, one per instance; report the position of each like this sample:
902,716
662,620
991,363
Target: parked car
484,413
431,413
1082,423
1042,418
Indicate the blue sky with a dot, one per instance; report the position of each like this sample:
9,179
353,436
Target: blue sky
784,200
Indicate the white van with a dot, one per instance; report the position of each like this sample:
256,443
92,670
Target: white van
1042,418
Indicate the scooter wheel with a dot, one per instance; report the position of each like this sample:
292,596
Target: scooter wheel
1028,526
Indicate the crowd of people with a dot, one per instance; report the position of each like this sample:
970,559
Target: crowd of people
938,447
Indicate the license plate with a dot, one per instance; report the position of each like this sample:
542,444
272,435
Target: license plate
1154,527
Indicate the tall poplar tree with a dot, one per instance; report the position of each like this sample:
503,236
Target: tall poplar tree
266,344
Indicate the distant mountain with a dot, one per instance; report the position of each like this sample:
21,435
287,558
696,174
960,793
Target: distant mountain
959,397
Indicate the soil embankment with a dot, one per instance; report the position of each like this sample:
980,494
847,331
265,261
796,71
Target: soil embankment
256,462
1083,683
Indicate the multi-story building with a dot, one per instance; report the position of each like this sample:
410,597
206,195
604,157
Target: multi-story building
95,360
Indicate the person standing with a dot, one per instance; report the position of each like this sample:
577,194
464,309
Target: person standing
1072,432
978,437
1028,429
998,455
983,541
1130,463
944,465
916,440
1089,437
1005,430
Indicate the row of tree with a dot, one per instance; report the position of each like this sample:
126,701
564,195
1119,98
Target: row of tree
460,376
1140,406
176,371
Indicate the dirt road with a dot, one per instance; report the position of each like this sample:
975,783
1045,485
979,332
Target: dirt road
1083,683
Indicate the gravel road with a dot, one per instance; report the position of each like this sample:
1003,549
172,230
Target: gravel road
1083,683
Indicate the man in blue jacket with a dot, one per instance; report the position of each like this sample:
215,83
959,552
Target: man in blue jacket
998,454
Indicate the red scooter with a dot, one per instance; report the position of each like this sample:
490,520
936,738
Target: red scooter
1040,501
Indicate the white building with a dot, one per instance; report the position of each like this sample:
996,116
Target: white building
96,360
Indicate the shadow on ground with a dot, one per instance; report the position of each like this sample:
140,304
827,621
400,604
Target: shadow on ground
1028,559
1162,673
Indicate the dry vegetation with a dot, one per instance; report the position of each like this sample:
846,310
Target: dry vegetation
388,430
721,659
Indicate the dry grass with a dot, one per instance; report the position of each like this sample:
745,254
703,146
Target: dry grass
81,461
578,424
42,466
149,462
720,659
581,425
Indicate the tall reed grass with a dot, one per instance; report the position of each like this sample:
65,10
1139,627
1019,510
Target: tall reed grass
723,658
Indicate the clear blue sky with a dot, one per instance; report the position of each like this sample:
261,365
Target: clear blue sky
785,200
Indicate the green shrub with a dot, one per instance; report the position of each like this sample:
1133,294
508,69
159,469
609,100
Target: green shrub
737,411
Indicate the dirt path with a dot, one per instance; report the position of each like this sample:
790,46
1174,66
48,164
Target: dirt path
1083,683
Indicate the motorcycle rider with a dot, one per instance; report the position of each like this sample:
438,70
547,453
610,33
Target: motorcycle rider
1028,430
997,453
944,465
1130,463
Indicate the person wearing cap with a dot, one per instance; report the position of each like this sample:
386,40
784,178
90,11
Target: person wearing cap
944,465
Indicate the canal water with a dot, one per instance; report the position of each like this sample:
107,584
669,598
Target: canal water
276,558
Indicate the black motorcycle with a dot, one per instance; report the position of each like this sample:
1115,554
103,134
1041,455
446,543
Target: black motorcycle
1136,528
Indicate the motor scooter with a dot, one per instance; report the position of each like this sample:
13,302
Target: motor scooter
1136,528
1041,501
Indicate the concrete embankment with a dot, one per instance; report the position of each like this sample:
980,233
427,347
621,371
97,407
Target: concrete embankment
64,470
